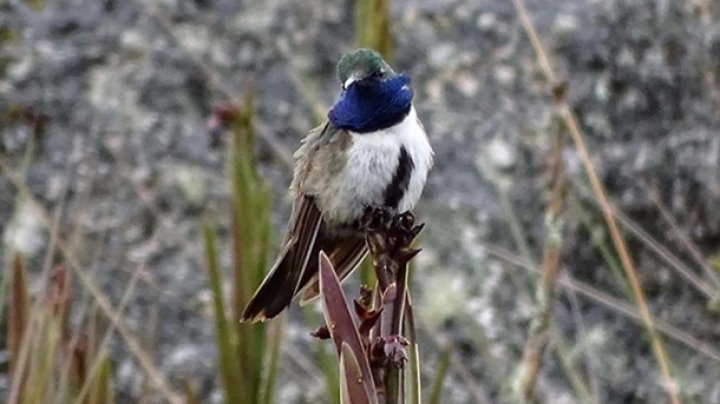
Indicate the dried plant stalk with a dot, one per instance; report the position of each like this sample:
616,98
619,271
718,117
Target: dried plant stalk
628,265
539,332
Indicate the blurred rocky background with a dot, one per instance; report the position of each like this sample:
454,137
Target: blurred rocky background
103,110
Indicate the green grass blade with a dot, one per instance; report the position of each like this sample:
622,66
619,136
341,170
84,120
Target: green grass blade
102,391
330,370
250,212
233,382
412,375
412,368
42,362
372,26
275,337
440,375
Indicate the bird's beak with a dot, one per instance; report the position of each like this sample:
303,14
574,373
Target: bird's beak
353,78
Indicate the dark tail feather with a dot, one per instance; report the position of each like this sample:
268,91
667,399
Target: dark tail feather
285,280
275,293
290,277
280,285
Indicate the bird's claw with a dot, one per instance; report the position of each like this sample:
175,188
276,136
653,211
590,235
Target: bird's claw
377,218
404,222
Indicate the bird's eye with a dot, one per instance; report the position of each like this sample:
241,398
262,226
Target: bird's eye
378,74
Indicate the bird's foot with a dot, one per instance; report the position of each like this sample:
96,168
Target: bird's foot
404,222
377,218
401,228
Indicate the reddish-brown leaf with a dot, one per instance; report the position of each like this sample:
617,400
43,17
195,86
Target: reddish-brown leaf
340,322
352,388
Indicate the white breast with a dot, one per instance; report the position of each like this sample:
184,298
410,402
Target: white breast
372,161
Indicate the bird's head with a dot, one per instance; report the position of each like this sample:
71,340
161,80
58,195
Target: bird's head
362,65
373,96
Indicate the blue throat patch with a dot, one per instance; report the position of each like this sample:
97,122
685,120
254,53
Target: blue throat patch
372,105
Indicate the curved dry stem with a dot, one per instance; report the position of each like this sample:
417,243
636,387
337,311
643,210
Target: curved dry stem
539,333
627,263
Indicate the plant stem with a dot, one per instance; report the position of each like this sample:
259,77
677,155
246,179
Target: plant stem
578,138
540,327
389,246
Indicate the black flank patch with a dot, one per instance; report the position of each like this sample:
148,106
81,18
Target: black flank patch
401,179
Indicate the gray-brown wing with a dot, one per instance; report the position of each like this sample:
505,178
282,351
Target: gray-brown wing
289,273
280,285
319,158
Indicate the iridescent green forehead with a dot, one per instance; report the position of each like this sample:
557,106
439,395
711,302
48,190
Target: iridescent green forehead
363,62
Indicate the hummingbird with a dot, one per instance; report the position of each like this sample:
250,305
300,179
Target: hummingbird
371,152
